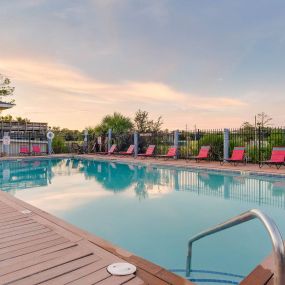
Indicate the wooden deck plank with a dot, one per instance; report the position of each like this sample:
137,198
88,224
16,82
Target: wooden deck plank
35,260
23,235
77,253
92,278
26,239
56,271
24,258
116,280
78,273
29,243
17,223
32,249
20,228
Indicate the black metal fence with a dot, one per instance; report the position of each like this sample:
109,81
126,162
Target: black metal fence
161,140
257,141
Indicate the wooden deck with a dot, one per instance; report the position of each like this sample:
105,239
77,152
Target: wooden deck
38,248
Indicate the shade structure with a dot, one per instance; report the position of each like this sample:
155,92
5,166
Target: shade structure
5,105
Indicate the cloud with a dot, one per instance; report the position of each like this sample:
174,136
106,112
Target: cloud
75,85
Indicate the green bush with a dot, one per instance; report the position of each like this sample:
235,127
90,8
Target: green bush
58,145
216,141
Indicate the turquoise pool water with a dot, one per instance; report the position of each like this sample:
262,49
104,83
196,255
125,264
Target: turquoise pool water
153,211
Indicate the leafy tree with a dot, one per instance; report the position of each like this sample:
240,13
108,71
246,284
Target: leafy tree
7,118
143,124
22,120
67,134
5,88
117,122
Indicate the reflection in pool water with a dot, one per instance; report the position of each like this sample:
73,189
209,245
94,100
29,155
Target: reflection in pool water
154,210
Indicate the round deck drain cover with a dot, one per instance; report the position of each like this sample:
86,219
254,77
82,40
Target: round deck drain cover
121,268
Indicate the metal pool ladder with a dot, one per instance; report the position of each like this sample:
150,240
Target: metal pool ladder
275,236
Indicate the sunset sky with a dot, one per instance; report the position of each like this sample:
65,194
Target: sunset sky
210,63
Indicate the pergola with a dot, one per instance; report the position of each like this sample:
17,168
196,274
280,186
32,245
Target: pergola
5,105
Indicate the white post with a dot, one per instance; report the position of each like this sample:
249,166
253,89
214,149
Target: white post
85,144
6,143
176,138
226,143
109,138
136,143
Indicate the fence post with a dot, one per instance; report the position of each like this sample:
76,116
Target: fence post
109,138
136,143
176,138
259,144
6,143
85,141
226,143
29,138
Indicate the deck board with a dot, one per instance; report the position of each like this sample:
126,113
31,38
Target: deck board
38,248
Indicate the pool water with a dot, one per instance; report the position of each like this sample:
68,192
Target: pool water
153,211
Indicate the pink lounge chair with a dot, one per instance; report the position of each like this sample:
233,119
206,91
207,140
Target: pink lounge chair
277,158
130,151
238,155
149,152
172,152
36,150
203,153
112,150
24,150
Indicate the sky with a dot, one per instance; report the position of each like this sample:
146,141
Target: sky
213,64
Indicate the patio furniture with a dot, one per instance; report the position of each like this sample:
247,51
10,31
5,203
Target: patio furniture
24,150
130,151
149,152
277,158
203,153
171,153
112,150
238,155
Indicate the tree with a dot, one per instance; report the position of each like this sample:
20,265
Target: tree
263,120
117,122
247,126
5,88
143,124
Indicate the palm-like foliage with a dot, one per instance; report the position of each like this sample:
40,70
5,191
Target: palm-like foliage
117,122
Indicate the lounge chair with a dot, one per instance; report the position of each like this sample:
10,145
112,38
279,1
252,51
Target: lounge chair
36,150
277,158
24,150
149,152
130,151
172,152
203,153
112,150
238,155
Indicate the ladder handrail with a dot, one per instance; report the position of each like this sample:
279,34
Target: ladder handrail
275,236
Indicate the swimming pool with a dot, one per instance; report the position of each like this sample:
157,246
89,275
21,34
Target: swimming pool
152,211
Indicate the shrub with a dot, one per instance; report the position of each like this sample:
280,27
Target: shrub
58,145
